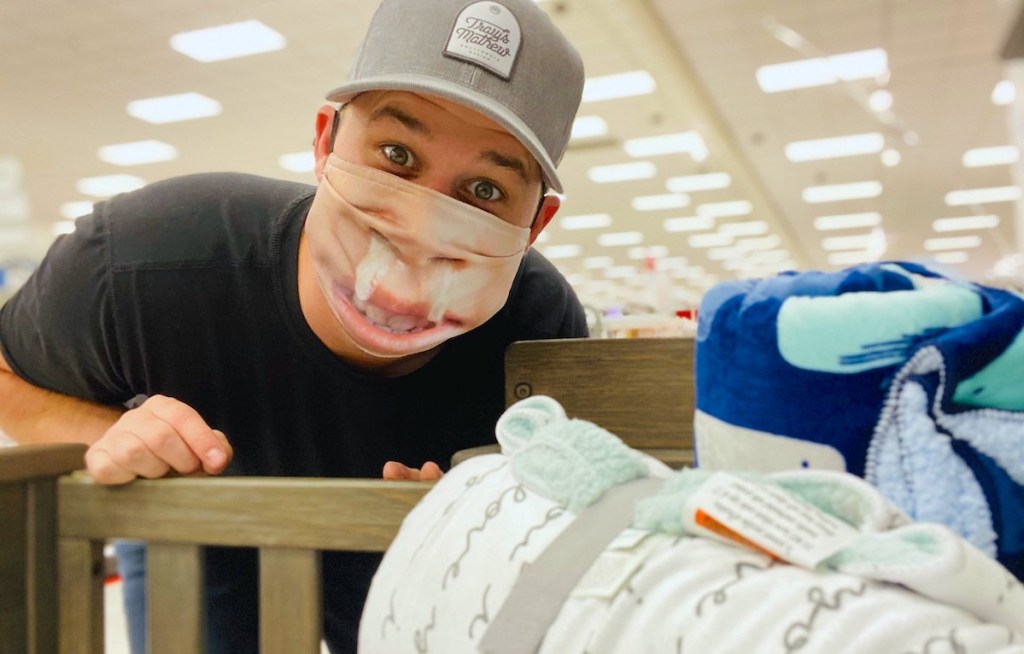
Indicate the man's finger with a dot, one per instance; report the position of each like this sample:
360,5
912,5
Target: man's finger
395,471
200,438
430,472
104,468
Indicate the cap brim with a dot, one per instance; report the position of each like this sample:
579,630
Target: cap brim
464,96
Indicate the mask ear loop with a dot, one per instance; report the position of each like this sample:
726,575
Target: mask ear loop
334,126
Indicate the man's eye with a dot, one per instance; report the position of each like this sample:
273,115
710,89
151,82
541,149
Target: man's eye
397,155
486,191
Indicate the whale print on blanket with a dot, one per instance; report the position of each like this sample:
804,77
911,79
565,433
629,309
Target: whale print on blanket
889,371
656,587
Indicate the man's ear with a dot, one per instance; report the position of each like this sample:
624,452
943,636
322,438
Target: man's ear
323,142
548,208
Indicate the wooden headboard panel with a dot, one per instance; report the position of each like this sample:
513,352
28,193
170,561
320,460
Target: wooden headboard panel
640,389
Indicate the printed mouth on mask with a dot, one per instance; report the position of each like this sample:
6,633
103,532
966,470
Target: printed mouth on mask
396,323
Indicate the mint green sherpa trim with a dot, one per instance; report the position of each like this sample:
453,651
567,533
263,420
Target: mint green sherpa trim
573,462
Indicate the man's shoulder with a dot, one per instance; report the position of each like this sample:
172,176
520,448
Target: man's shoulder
542,303
200,217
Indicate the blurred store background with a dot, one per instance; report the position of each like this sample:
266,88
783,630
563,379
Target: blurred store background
717,138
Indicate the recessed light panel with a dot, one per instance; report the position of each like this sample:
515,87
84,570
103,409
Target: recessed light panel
621,85
994,156
983,195
174,108
107,185
725,209
689,224
622,172
621,238
228,41
847,221
588,221
659,202
692,183
137,152
835,147
838,192
952,243
562,251
966,223
683,143
819,71
588,127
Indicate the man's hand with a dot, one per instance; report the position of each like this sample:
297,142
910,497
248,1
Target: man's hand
395,471
160,435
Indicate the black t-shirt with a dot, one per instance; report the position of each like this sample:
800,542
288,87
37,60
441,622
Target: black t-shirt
188,288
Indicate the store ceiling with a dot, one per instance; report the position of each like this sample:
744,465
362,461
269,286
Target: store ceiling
68,71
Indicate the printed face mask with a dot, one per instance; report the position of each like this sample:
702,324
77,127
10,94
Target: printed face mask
404,268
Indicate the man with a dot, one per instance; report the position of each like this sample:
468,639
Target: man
261,329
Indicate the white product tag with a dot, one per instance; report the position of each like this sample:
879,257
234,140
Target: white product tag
486,34
628,539
766,518
608,575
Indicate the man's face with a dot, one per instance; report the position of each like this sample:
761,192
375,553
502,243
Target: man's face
411,298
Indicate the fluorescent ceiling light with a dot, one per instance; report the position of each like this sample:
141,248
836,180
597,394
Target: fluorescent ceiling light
671,263
691,183
819,71
835,147
837,192
622,172
562,251
297,162
173,108
966,222
684,142
107,185
588,127
852,257
983,195
994,156
725,253
620,272
596,263
227,41
852,242
956,256
621,238
1004,93
651,252
72,210
952,243
759,244
749,228
689,224
15,235
588,221
847,221
577,279
891,157
725,209
880,100
768,256
709,240
658,202
622,85
137,152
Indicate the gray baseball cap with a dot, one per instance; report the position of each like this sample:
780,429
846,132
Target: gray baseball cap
502,58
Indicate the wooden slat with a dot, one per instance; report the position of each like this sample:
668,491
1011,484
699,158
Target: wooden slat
13,605
24,462
641,390
80,589
344,514
41,566
174,598
291,619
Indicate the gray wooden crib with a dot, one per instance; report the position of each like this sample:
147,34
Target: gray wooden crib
54,521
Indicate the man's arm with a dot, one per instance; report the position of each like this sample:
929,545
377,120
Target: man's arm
29,414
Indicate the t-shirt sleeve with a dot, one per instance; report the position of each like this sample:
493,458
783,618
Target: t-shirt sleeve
58,331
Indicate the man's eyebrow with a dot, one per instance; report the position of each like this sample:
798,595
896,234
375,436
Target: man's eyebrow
513,163
410,122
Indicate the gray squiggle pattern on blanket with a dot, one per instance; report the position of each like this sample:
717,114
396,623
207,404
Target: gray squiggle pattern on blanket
390,617
799,634
719,595
955,646
475,480
553,512
492,510
419,639
483,616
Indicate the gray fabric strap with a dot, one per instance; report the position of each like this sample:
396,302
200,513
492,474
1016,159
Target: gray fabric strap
537,597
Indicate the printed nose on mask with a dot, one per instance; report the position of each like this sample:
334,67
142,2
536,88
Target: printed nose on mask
381,257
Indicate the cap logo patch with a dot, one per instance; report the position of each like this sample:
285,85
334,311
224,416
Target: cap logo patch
488,35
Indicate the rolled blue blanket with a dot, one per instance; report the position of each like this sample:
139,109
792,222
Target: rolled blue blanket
890,371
